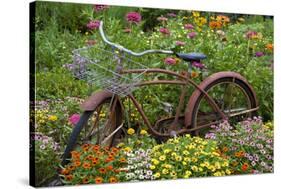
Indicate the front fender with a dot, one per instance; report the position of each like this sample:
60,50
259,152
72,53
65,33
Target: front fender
95,99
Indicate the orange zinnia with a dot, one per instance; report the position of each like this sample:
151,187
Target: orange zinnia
69,177
89,157
102,170
245,166
114,150
98,180
225,149
94,162
86,165
269,46
71,167
75,155
77,163
85,180
96,147
64,171
112,179
109,168
215,25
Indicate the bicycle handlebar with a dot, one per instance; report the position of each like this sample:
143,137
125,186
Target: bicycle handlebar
120,47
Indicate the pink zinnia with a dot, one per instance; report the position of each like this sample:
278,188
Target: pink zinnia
180,43
188,26
93,24
99,8
251,34
192,35
133,17
171,14
74,119
170,61
198,65
162,18
164,31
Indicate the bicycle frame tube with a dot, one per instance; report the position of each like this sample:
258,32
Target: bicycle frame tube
182,80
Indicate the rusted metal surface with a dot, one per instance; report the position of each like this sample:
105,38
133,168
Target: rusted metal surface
203,85
95,99
176,82
154,70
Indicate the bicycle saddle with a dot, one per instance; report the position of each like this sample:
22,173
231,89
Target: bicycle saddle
191,56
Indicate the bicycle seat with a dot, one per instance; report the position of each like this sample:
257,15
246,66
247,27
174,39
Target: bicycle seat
191,56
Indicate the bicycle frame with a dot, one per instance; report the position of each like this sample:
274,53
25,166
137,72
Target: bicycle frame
183,81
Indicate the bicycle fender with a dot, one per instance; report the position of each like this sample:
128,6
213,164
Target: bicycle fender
204,84
95,99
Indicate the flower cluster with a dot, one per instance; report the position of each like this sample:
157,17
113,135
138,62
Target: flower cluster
93,24
249,145
186,157
45,142
99,8
138,167
93,164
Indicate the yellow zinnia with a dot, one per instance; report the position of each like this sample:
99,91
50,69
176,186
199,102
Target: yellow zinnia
53,118
131,131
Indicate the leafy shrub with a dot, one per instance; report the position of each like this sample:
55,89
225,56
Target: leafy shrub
186,157
59,84
248,145
93,164
46,158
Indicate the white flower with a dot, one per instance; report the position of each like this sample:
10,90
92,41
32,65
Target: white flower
141,177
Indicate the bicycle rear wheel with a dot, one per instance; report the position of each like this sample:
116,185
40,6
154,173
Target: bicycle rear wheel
234,97
97,127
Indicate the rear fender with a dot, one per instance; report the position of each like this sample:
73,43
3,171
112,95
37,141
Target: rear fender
95,99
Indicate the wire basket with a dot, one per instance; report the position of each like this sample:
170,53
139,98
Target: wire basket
103,69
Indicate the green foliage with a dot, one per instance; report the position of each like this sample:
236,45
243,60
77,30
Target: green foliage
59,84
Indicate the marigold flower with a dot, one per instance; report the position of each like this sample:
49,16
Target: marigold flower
77,163
143,132
113,180
53,118
98,180
96,148
131,131
194,74
65,171
133,17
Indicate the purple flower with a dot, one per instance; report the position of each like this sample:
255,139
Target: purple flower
259,54
93,24
198,65
191,35
99,8
74,119
189,26
170,61
180,43
171,14
210,136
164,31
250,158
133,17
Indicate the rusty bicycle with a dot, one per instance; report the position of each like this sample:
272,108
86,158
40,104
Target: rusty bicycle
222,96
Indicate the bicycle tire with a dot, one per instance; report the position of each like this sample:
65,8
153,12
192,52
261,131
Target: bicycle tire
86,115
237,80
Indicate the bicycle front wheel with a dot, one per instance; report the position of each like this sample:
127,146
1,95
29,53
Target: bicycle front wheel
97,127
234,97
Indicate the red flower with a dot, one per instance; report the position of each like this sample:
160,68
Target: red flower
245,167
